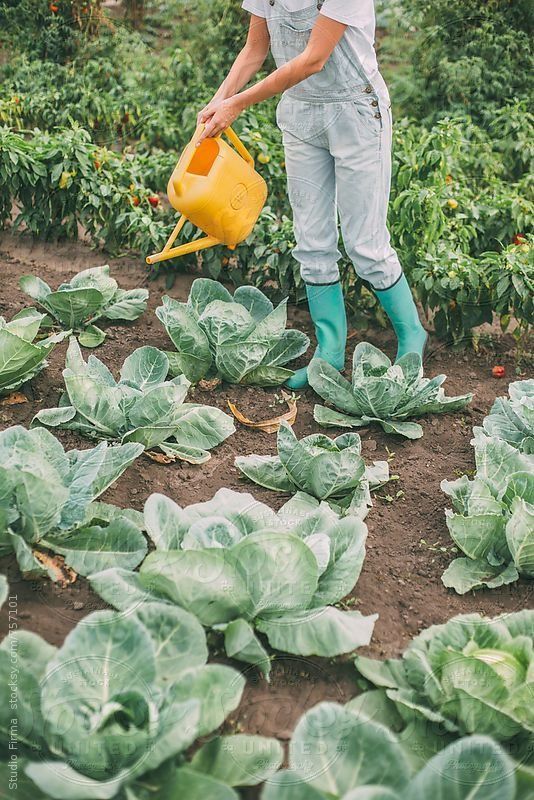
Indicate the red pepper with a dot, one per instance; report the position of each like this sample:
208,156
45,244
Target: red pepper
154,201
498,372
53,8
135,201
519,238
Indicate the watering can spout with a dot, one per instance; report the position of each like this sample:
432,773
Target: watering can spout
217,189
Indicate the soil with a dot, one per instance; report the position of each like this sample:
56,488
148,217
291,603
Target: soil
408,545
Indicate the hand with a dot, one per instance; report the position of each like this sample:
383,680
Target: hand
222,116
208,111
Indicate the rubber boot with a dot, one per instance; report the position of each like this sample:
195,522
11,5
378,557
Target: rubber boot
399,305
327,310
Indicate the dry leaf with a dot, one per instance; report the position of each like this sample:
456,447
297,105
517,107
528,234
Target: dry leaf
57,569
159,458
14,399
268,425
209,386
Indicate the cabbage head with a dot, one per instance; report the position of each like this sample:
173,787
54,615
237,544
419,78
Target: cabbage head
240,338
382,392
243,569
89,296
112,712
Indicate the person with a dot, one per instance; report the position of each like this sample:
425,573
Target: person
335,117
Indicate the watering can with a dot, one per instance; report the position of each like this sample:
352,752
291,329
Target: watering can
215,187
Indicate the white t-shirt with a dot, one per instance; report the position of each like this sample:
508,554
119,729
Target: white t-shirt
359,15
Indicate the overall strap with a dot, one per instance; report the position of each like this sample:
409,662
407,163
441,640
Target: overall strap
320,3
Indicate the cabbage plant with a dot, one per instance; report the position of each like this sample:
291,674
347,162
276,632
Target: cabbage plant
21,357
327,469
380,392
334,754
89,296
142,406
512,419
243,569
493,518
240,338
46,504
471,675
113,711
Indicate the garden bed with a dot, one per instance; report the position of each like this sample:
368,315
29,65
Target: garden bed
408,546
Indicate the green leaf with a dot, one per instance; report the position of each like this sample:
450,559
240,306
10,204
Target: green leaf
216,687
288,785
266,376
73,307
475,768
188,338
146,368
330,418
410,430
35,288
520,536
332,387
206,582
178,638
266,471
319,631
241,643
465,574
96,548
127,304
59,780
239,760
186,783
257,304
334,753
273,590
91,336
122,589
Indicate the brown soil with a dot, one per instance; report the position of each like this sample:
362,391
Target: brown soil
408,545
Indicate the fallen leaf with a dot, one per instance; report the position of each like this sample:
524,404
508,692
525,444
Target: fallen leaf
208,386
268,425
57,569
159,458
14,399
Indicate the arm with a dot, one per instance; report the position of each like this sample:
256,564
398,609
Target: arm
324,38
247,64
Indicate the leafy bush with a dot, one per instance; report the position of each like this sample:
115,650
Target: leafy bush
468,50
113,711
141,407
380,393
220,560
494,520
21,358
335,755
327,469
91,295
242,339
46,503
471,675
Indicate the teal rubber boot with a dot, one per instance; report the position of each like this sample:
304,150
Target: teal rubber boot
327,310
399,305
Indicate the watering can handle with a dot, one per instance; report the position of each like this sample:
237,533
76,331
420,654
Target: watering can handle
235,140
239,146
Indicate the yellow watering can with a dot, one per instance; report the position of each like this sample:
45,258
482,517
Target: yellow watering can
217,189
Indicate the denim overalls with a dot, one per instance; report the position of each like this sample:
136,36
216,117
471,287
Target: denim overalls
336,128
